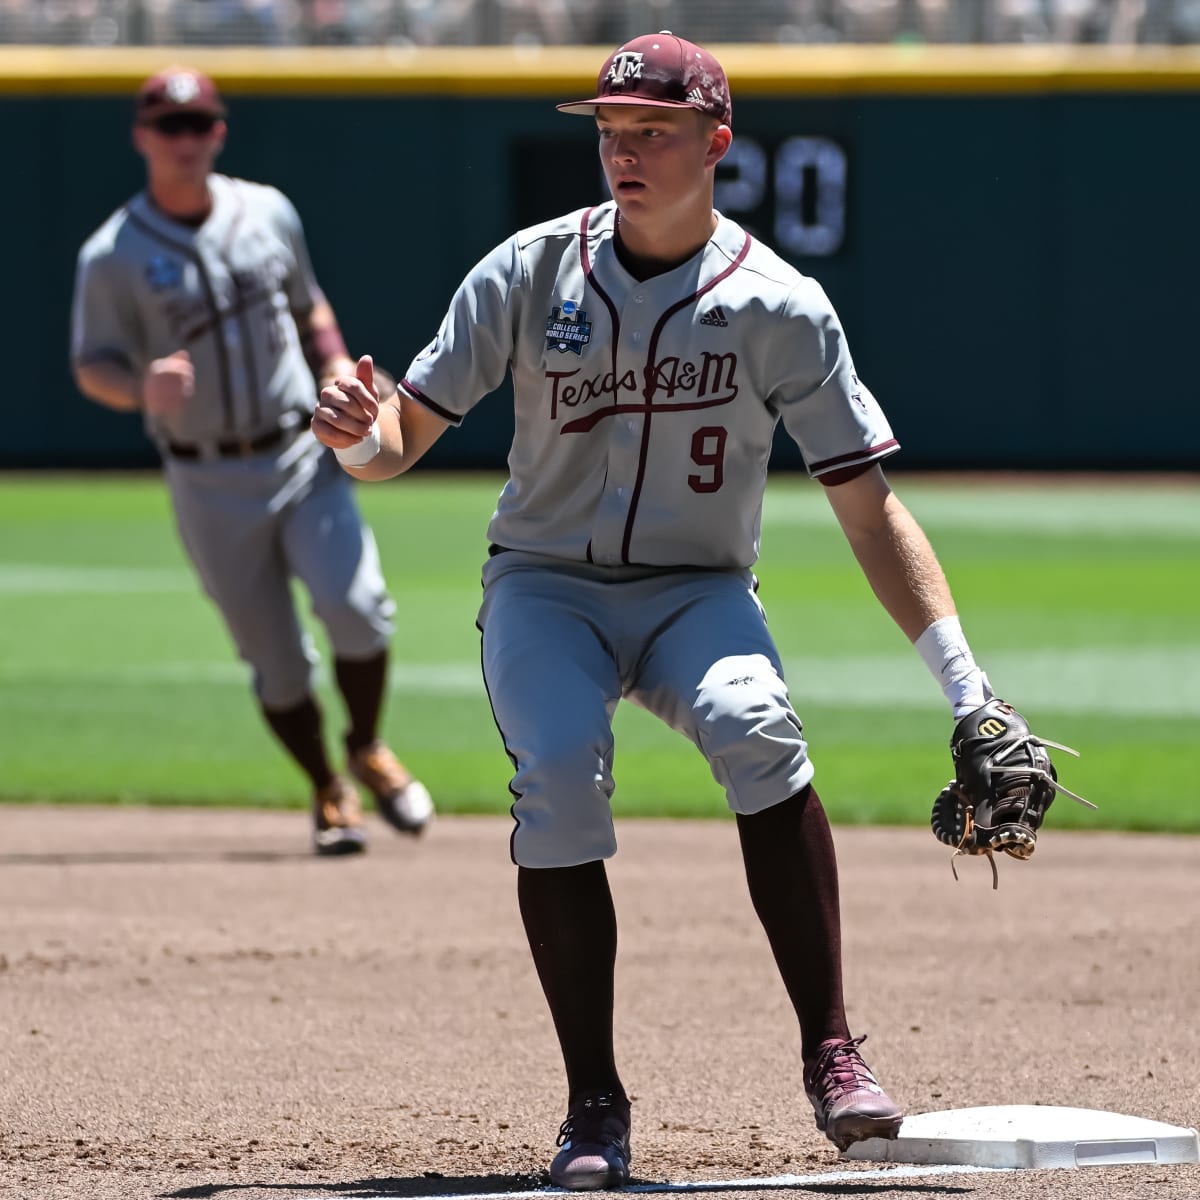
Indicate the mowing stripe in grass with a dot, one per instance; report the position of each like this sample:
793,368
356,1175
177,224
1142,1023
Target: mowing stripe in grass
17,579
1148,681
1168,513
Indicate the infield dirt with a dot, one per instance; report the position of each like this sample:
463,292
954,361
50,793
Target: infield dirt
195,1007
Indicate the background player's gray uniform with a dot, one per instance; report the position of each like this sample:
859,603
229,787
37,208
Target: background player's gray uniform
645,413
257,499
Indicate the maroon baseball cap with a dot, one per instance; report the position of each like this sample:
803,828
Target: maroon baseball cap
177,90
662,71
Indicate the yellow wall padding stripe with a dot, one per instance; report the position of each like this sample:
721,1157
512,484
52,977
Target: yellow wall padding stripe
564,72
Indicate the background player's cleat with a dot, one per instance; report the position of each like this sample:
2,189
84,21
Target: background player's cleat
403,802
595,1145
337,819
850,1105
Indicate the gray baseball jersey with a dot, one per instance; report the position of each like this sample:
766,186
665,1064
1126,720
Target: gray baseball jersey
147,286
645,409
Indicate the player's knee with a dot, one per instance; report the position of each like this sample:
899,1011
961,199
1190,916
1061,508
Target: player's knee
547,836
741,700
358,624
563,813
566,768
282,686
282,662
751,736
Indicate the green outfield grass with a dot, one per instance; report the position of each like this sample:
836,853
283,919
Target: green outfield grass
1082,601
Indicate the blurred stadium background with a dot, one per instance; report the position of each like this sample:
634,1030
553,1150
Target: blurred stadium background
561,22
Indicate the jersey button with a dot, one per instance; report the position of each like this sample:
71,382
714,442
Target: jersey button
638,298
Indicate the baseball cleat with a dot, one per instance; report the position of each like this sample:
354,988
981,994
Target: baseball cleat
595,1145
850,1105
337,819
402,801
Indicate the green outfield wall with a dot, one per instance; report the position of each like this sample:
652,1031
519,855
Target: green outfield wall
1011,235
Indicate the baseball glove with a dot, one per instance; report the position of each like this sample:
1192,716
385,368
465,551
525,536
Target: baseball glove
1003,785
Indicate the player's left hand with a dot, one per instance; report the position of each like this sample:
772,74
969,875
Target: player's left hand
347,407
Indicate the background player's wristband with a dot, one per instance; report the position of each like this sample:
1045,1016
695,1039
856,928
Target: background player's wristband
950,661
362,452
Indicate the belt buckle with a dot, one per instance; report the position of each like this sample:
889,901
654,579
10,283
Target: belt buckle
248,447
234,448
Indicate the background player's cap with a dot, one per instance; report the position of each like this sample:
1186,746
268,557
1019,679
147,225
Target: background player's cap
663,71
177,90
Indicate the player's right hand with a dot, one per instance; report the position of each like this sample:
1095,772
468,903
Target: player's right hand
168,382
347,407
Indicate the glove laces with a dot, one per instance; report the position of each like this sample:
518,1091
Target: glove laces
1014,799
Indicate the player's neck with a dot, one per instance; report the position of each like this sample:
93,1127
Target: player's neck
645,251
188,203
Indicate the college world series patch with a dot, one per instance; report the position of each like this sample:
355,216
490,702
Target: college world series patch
567,328
163,273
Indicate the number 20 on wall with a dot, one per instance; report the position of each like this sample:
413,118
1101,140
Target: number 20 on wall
806,209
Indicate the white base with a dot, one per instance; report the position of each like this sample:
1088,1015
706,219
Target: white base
1031,1136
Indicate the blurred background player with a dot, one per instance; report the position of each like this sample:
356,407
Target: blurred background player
196,303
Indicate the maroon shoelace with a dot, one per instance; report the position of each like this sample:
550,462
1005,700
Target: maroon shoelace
839,1067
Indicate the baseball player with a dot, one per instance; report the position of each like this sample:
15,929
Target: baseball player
196,303
654,346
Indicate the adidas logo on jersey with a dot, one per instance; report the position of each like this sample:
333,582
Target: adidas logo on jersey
715,316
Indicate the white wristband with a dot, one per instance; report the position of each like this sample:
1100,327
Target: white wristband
362,452
951,663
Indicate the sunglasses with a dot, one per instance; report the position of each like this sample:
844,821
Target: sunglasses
173,124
